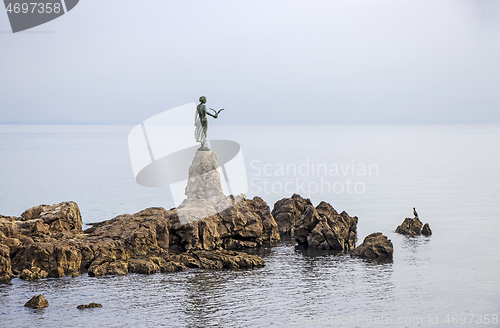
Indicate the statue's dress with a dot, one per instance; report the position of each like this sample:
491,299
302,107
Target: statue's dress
200,132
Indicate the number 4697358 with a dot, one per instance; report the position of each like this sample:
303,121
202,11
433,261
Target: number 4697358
34,7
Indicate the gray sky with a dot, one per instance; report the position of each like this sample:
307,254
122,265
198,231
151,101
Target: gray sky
272,61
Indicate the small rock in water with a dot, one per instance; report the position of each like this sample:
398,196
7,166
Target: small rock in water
375,246
89,306
426,230
37,302
414,227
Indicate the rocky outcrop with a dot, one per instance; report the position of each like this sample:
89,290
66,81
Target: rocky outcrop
287,211
414,227
153,240
203,232
375,246
323,228
37,302
35,244
238,223
320,227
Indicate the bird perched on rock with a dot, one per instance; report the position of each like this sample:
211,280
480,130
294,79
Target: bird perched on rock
415,213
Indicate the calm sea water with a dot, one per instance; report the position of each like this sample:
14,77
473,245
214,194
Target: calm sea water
451,174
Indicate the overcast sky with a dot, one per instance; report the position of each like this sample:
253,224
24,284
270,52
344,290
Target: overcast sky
265,61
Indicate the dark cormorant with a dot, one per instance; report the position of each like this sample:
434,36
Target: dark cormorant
415,213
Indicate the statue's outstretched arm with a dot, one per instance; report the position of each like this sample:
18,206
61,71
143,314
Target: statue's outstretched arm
214,116
216,112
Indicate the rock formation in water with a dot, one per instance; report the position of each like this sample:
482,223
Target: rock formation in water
89,306
414,227
48,241
287,211
375,246
147,242
426,230
319,227
37,302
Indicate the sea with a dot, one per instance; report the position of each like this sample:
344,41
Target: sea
449,173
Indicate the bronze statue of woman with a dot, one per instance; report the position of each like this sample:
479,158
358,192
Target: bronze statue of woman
201,123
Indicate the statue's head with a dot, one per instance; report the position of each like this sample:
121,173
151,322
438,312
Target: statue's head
203,99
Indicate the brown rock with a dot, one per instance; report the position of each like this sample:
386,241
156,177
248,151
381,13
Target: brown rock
53,218
171,266
375,246
144,266
37,302
12,243
243,223
138,235
109,268
89,306
287,211
226,259
54,257
141,236
8,227
413,227
5,265
48,240
323,228
426,230
33,274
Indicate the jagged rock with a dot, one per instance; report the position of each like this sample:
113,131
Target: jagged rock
37,302
375,246
413,227
52,218
323,228
287,211
8,227
239,223
5,265
35,244
89,306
